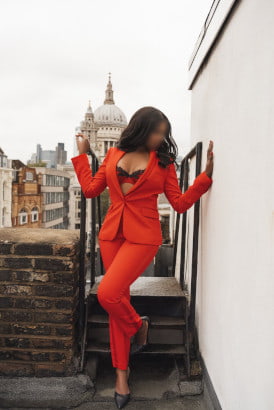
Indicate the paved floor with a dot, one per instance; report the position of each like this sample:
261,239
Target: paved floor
153,385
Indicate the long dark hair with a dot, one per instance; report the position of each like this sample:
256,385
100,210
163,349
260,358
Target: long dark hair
141,124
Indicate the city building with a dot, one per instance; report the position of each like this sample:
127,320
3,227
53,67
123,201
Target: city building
61,154
51,158
5,190
26,197
74,197
55,198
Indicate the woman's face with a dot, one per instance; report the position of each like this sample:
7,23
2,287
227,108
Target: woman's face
157,136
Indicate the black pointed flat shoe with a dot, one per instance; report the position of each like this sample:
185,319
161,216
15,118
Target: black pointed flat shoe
135,347
121,399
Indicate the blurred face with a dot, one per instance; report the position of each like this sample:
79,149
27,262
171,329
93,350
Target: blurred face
157,136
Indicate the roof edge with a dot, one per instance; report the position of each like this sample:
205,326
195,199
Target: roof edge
215,21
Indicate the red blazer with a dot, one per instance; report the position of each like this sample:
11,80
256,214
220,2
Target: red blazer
138,206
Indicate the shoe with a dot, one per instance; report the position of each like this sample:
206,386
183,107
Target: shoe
135,347
121,399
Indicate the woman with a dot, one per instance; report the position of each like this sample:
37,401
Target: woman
125,260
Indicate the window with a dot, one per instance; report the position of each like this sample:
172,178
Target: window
29,176
34,214
23,216
3,216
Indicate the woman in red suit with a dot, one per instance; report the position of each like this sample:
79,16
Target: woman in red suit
140,167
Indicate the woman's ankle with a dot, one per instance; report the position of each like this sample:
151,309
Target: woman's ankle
141,334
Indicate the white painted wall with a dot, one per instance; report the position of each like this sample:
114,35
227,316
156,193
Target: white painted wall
233,104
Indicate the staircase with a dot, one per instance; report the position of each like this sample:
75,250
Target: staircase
163,300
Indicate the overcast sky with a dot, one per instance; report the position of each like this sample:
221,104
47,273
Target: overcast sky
56,56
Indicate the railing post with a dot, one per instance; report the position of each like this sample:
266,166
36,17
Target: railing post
184,183
82,254
195,243
83,303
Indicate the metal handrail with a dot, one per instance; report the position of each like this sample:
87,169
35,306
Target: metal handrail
83,308
196,152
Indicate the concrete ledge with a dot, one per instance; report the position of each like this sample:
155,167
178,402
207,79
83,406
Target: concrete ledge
41,392
33,235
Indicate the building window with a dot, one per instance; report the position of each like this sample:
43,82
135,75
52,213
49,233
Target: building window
34,214
29,176
23,216
3,217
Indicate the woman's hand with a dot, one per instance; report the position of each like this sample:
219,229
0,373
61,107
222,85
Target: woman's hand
82,143
209,162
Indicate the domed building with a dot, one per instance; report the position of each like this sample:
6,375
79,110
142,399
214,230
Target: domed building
104,126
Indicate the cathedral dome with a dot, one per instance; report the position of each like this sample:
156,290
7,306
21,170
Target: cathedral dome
109,114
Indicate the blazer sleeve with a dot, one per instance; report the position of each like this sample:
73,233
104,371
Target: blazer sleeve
92,186
179,200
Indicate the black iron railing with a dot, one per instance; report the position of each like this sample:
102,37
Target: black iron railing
86,283
184,183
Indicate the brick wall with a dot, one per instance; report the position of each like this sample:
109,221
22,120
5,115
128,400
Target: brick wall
38,301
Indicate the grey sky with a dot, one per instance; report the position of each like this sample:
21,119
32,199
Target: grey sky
56,55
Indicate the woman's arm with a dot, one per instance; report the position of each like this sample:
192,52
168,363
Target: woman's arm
181,201
92,186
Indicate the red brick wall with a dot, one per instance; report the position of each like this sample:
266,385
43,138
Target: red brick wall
38,301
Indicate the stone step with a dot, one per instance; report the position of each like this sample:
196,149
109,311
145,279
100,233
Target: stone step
159,349
151,306
150,286
157,321
163,336
149,296
163,329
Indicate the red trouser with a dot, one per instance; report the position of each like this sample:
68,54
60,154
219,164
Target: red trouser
124,262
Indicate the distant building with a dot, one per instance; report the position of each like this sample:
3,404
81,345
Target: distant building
61,154
103,127
51,157
74,198
26,198
5,190
55,198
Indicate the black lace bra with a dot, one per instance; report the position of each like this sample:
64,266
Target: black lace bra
123,175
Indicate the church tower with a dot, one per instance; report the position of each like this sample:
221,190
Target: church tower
103,127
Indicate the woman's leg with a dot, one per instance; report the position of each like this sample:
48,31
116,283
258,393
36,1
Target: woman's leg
129,262
108,250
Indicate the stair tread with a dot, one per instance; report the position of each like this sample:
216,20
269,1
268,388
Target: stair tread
156,320
95,346
149,286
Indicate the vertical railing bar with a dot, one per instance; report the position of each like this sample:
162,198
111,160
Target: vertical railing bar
99,214
82,252
178,215
184,224
194,262
94,165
